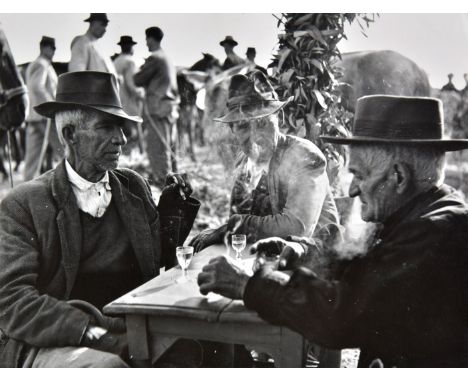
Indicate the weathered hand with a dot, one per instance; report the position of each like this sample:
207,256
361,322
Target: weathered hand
205,239
224,277
289,252
180,183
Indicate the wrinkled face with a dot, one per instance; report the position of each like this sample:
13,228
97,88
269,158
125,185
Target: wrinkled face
98,28
99,146
257,138
374,185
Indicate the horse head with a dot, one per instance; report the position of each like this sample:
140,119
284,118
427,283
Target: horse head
13,94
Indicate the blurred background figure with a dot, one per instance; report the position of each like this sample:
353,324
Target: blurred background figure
84,53
131,96
160,111
449,86
251,53
41,81
232,59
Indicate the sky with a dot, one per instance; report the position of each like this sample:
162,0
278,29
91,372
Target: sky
436,42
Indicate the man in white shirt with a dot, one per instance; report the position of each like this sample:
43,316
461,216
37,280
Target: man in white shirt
41,81
84,53
85,230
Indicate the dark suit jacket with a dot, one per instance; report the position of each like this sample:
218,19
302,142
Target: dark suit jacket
405,301
40,245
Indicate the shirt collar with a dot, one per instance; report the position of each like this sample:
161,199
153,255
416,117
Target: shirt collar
83,184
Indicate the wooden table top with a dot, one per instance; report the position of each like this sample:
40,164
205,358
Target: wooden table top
162,296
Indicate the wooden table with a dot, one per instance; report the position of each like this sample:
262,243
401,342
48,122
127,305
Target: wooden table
161,310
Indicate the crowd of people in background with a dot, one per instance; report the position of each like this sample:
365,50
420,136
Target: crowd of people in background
151,92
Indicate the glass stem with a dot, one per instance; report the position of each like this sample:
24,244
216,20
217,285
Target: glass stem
184,273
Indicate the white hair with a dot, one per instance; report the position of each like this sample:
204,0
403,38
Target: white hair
76,117
427,164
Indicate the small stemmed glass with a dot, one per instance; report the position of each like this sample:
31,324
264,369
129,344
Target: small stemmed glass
184,257
238,243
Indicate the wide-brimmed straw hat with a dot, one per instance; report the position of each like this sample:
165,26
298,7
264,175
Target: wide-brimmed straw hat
251,97
413,121
89,90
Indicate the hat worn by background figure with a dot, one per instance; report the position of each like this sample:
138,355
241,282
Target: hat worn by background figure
126,40
228,40
250,50
88,90
413,121
47,41
97,17
251,97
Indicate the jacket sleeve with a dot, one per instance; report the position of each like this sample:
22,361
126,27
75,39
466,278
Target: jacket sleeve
79,56
146,72
37,83
307,186
26,314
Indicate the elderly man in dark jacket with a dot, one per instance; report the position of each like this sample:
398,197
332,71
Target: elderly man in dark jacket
403,301
84,231
281,186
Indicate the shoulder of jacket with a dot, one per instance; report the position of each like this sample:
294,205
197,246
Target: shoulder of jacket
39,188
301,148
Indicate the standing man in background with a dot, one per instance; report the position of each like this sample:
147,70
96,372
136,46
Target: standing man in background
232,59
130,95
159,78
250,54
84,54
41,81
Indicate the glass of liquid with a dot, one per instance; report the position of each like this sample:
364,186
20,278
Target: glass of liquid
184,257
238,243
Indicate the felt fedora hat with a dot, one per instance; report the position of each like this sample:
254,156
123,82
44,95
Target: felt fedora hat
251,97
228,40
89,90
97,16
126,40
412,121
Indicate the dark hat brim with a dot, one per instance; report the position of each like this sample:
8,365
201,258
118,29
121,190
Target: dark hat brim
229,42
48,109
240,114
443,144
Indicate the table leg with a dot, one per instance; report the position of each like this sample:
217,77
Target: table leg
291,351
137,336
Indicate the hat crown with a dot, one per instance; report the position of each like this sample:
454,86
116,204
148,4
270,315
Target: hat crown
46,40
397,117
97,16
88,88
250,90
228,40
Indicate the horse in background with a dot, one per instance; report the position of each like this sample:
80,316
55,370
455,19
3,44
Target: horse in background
190,119
13,102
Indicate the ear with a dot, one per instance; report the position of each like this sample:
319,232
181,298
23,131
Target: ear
402,175
69,134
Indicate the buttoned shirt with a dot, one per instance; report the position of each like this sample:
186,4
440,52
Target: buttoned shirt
92,198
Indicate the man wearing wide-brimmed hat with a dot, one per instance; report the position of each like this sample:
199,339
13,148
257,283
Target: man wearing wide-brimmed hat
83,231
125,65
402,301
41,80
232,59
281,186
84,53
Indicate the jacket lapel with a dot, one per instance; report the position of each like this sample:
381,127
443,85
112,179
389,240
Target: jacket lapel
69,226
134,217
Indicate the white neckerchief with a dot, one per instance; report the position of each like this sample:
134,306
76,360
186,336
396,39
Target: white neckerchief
92,198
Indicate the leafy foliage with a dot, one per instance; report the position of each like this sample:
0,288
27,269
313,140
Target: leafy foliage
305,69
